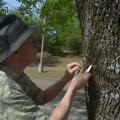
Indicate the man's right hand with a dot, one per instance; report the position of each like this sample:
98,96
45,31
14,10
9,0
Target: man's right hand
80,80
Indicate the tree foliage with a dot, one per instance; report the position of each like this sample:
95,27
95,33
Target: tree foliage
61,27
3,9
61,24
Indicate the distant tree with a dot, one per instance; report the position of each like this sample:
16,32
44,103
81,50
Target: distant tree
100,23
61,26
3,8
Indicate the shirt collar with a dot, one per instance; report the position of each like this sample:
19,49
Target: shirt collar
9,71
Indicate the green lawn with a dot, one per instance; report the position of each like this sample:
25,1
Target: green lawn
54,66
47,73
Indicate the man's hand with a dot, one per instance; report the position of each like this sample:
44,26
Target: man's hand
71,69
80,80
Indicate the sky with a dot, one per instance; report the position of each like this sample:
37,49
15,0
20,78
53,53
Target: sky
11,4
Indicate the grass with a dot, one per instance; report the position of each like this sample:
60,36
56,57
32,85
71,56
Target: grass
54,66
47,73
60,61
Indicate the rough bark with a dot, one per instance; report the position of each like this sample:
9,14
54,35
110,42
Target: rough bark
100,24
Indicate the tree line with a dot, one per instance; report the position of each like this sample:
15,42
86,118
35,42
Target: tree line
61,27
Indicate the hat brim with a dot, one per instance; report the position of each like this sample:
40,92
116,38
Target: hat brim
21,39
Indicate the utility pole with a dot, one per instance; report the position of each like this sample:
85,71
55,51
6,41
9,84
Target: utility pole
40,68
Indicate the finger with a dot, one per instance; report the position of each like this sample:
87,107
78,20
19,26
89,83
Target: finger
88,75
73,64
77,72
76,68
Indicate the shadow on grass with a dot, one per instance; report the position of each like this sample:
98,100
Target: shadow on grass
49,61
56,61
78,110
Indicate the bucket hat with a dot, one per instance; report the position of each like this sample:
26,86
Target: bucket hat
13,32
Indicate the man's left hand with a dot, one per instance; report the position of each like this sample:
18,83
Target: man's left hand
71,68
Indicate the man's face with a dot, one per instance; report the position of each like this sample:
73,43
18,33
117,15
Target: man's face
29,50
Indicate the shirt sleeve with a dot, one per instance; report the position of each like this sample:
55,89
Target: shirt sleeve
31,90
18,106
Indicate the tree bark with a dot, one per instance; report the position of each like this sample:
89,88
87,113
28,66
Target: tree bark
100,24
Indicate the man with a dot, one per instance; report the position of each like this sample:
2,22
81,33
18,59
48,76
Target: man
19,96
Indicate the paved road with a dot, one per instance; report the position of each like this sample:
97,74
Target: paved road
78,110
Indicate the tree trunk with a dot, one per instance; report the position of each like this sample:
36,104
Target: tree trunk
100,24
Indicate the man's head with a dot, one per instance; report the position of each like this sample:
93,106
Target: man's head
13,34
24,55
